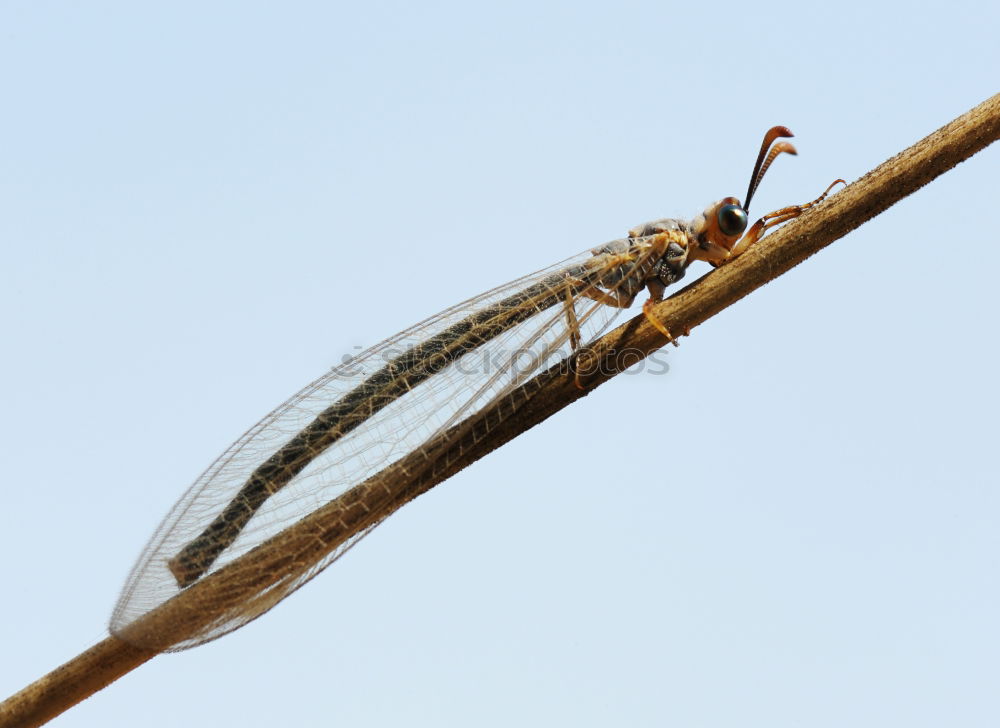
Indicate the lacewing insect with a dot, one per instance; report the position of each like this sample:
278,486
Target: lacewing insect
316,457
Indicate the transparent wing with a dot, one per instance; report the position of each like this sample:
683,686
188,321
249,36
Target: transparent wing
356,421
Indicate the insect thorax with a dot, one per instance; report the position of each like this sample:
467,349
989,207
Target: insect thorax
657,250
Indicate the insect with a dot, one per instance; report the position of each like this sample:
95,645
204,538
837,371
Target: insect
329,456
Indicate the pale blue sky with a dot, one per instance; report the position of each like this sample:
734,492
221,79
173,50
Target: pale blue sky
207,205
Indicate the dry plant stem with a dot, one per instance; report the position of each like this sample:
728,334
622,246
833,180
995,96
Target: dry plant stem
534,402
72,682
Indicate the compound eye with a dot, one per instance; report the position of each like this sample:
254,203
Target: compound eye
732,220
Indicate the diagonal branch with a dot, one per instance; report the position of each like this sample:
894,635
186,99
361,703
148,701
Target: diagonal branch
552,390
776,254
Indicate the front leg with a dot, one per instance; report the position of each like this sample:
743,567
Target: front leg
770,220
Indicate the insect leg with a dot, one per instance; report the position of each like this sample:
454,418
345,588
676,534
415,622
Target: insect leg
571,320
617,299
656,289
771,219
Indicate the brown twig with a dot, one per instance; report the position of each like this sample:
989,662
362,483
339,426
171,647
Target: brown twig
543,396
